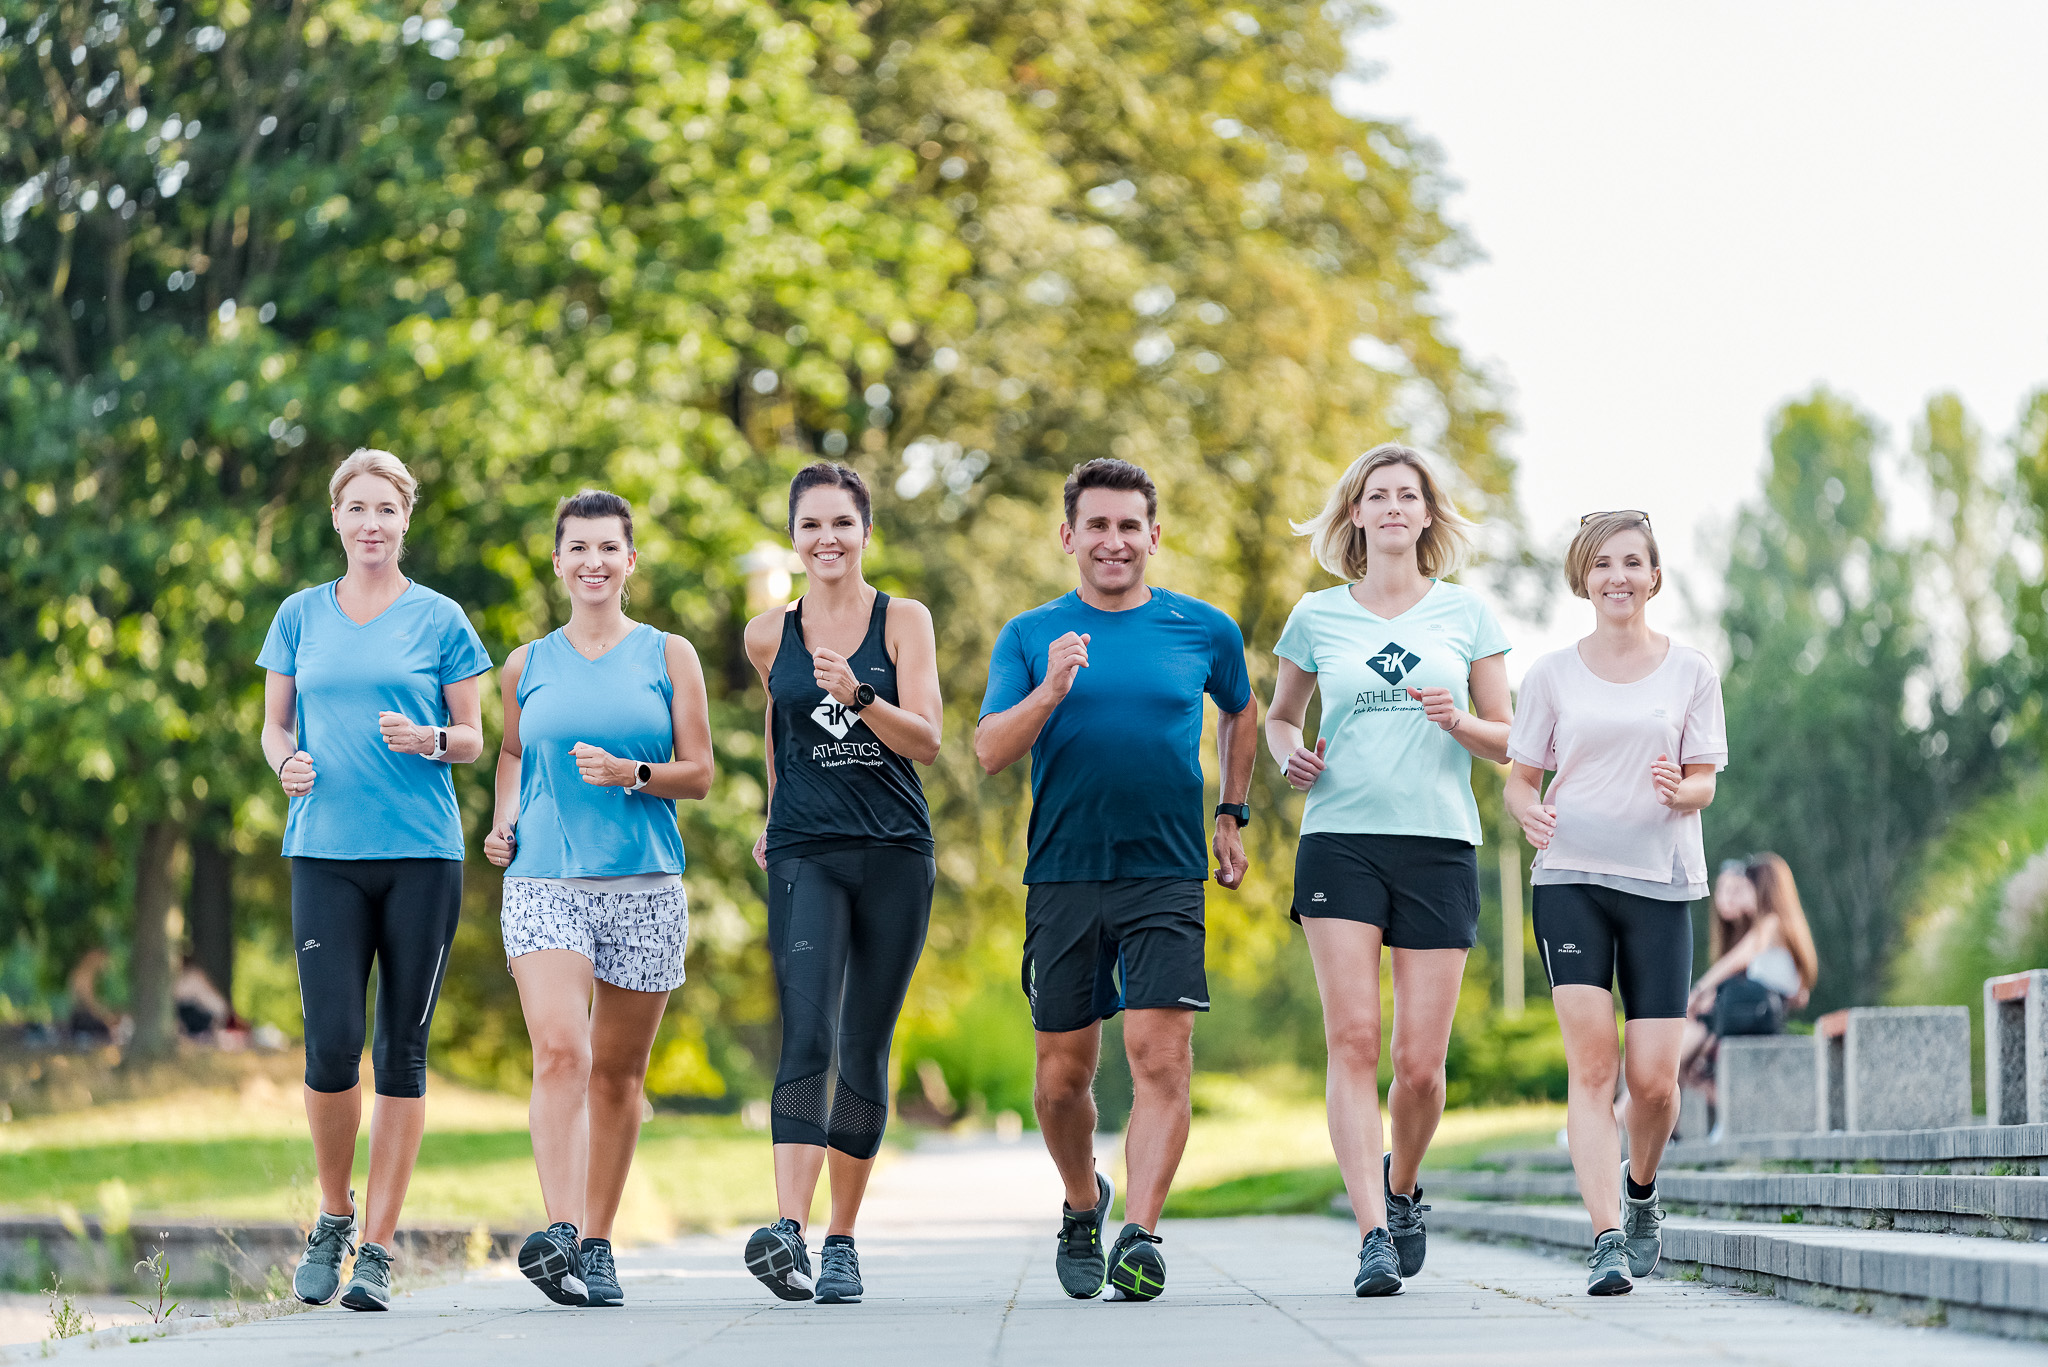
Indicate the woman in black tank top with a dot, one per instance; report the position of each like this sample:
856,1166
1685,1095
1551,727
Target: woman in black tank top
853,699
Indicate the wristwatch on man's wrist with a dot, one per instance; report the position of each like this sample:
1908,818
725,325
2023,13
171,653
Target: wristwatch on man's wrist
863,696
643,774
1240,810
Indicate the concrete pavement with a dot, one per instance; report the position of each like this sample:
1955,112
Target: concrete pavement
957,1257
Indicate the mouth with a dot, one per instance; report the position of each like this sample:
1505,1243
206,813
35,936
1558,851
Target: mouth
828,557
595,581
1619,595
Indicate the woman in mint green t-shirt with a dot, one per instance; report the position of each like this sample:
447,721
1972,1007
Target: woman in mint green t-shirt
1414,685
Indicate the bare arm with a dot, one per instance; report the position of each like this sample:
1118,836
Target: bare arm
911,727
1237,747
1483,730
688,775
503,841
293,766
1524,799
1284,719
465,728
1686,790
763,640
1003,738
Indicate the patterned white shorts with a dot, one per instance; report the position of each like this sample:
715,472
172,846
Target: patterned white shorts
634,940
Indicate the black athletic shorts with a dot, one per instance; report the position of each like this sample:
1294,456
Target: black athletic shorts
1592,935
1422,891
1094,949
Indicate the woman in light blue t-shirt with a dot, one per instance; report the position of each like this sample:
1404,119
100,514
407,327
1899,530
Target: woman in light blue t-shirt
1414,685
372,693
606,727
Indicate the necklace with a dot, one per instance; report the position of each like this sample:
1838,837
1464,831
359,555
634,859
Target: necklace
592,652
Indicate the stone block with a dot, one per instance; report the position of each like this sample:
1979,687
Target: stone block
1693,1123
2016,1048
1905,1067
1764,1084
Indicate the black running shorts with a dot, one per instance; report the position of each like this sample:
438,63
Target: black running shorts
1591,935
1094,949
1422,891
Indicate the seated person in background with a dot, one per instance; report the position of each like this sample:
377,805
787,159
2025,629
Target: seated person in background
91,1021
1764,964
201,1007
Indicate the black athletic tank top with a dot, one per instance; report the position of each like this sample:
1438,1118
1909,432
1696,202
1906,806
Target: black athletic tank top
836,784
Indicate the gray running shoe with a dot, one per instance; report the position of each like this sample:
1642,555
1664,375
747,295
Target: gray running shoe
600,1274
1078,1259
776,1254
1607,1267
551,1261
318,1275
1136,1271
1404,1220
1379,1269
838,1274
369,1287
1642,1228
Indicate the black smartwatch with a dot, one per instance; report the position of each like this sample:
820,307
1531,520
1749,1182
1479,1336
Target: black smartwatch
1240,810
862,696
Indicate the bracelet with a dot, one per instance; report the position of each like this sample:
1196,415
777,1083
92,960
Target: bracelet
278,772
1457,720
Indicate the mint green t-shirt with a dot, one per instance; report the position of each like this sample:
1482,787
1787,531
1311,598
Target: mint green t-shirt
1392,771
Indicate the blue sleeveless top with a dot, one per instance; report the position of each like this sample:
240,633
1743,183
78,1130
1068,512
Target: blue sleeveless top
620,703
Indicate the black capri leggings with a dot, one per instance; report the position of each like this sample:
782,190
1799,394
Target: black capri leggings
346,912
1591,936
845,928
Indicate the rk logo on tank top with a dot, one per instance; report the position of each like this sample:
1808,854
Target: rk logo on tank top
836,718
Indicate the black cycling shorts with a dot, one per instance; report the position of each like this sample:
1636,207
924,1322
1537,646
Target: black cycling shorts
1591,935
1422,891
1094,949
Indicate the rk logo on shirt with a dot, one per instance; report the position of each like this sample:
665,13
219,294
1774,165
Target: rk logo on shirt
834,716
1393,663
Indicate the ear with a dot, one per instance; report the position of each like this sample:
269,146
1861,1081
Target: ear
1067,537
1157,528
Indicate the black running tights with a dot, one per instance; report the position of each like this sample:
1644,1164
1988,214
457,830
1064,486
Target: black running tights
845,928
401,913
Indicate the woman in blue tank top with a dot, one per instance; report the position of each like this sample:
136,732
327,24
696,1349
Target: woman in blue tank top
606,726
853,699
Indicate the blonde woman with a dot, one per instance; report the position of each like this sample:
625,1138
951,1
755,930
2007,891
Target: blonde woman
1764,964
1414,684
1631,723
372,693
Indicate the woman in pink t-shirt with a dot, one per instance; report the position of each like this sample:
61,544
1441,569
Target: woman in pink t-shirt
1631,723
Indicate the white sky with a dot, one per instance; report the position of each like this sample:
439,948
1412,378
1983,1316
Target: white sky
1691,213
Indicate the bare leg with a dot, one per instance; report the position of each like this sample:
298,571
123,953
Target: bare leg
554,994
622,1026
1426,983
849,1184
334,1118
1585,1016
1160,1044
395,1130
1347,962
796,1180
1063,1097
1652,1067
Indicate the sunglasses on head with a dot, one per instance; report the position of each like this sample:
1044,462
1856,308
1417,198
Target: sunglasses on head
1618,512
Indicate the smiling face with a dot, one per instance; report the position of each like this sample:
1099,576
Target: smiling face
593,560
828,534
1110,539
1621,579
1391,510
371,517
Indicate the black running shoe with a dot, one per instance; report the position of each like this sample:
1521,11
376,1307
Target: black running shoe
1379,1270
601,1274
776,1254
551,1261
838,1273
1136,1271
1078,1259
1404,1220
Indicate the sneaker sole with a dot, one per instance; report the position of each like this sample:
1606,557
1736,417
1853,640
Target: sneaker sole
1134,1280
366,1300
838,1298
547,1268
1616,1285
1378,1286
776,1267
601,1300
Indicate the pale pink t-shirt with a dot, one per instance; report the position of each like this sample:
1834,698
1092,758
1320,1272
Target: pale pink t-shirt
1601,738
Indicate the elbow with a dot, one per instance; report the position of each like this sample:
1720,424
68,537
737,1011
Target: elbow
991,763
927,754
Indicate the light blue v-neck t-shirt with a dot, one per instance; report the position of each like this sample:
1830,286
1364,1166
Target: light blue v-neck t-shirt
1392,771
368,802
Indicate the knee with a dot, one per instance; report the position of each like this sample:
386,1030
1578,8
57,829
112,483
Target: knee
617,1083
333,1070
1654,1091
1162,1067
1355,1046
561,1059
1595,1075
1061,1083
1419,1072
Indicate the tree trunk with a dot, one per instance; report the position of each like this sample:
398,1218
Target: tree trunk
150,968
210,910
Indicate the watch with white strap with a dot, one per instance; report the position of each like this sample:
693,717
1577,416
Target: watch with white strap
643,774
440,742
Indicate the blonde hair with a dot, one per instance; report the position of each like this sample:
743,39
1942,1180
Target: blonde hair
1776,895
1340,547
1595,532
365,461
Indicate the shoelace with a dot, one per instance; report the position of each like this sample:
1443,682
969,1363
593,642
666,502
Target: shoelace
1606,1252
323,1238
1138,1234
597,1262
1080,1235
375,1262
840,1258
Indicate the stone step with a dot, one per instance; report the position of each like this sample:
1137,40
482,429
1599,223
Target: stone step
1999,1207
1988,1150
1997,1286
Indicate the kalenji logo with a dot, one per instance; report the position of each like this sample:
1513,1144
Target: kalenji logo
833,716
1567,949
1393,663
1319,898
310,944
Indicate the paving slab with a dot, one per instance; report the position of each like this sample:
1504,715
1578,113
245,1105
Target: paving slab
957,1256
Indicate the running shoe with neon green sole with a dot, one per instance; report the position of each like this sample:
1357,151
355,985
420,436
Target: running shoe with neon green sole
1078,1259
1136,1271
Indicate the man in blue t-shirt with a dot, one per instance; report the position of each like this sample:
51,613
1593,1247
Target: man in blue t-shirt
1103,687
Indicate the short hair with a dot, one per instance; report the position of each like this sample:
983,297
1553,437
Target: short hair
824,474
1594,533
365,460
1341,547
1106,473
594,503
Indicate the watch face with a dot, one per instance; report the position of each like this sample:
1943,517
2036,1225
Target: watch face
865,694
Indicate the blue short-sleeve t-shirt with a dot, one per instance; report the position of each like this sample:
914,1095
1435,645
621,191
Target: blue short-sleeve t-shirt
1116,775
1392,771
368,802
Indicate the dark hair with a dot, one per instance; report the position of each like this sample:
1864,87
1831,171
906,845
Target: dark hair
1111,474
825,475
594,503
